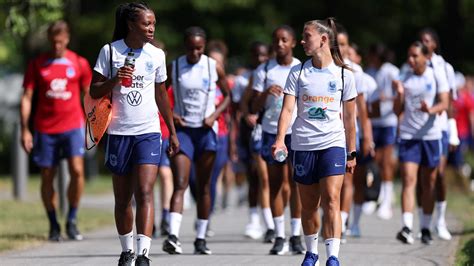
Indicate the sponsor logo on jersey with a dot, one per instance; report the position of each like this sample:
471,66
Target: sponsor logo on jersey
332,87
134,98
429,86
318,99
58,90
317,113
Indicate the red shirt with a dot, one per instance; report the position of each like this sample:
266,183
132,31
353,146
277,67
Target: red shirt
463,106
59,82
165,133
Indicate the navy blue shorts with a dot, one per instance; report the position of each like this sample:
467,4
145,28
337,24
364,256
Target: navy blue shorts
123,152
48,149
311,166
256,139
268,141
165,160
384,136
444,144
195,141
422,152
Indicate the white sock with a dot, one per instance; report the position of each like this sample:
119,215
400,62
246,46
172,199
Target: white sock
201,228
295,226
357,213
420,217
407,220
175,223
426,221
268,218
441,211
280,226
127,242
143,245
332,247
344,216
311,243
388,192
253,213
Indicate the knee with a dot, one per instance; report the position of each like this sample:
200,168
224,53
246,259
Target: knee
122,204
180,184
144,194
77,173
331,203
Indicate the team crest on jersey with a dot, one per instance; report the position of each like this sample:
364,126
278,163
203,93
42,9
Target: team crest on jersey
317,113
428,86
332,87
70,72
149,66
205,83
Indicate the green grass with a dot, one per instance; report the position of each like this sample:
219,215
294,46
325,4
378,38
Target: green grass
24,224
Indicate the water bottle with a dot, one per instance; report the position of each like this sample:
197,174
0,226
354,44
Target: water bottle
280,155
129,61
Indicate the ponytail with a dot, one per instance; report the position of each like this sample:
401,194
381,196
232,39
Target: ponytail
124,13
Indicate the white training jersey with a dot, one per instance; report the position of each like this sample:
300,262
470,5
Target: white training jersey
134,110
368,86
240,84
319,95
384,77
451,77
194,90
416,124
268,74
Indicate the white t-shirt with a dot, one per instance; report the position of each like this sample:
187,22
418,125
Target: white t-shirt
194,97
240,84
368,86
134,109
384,77
451,77
275,75
415,123
319,95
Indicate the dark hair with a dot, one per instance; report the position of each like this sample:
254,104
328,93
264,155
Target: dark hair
328,26
256,44
194,31
420,45
218,46
286,28
57,27
433,35
124,13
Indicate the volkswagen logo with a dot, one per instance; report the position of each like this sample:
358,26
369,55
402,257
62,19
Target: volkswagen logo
134,98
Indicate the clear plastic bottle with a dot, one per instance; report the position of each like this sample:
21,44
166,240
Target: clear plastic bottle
280,155
129,61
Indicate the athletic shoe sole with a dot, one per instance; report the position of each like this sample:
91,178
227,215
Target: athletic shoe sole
405,238
171,248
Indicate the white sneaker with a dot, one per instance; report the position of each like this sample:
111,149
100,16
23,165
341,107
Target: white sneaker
369,207
253,231
355,231
384,213
443,232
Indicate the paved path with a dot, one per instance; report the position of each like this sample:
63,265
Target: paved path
377,246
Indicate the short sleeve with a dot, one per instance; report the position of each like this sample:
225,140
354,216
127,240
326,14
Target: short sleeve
259,78
160,75
451,76
292,81
29,81
102,65
441,80
349,90
361,87
86,72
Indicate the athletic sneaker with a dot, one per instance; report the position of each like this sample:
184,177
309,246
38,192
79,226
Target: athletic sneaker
72,231
172,246
426,236
443,232
310,259
253,231
164,228
332,261
369,207
126,258
384,212
355,231
142,260
295,245
280,247
343,237
406,235
269,236
54,233
201,248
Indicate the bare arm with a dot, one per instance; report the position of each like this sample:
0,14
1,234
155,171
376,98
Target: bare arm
101,86
349,127
286,114
222,83
365,124
439,107
25,112
399,102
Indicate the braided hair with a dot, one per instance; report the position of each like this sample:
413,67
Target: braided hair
124,13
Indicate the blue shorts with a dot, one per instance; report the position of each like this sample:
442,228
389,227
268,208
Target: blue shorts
361,159
165,160
384,136
195,141
422,152
48,149
444,144
311,166
256,140
123,152
268,141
